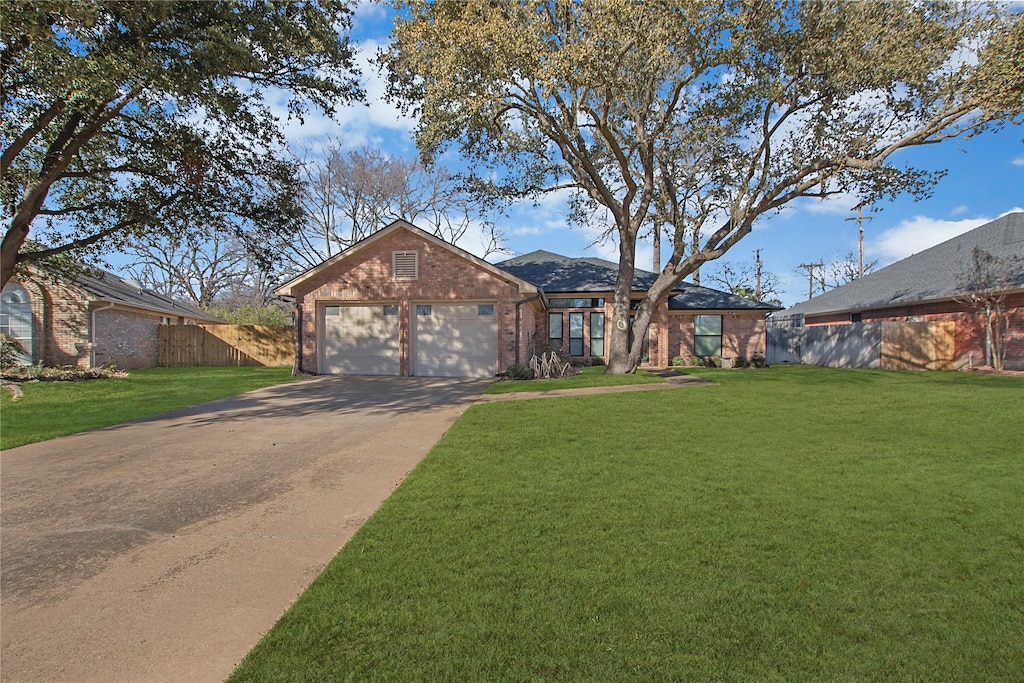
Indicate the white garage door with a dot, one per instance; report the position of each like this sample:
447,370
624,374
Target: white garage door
455,340
360,340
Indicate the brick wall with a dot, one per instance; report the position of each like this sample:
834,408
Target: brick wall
743,334
60,324
444,276
127,339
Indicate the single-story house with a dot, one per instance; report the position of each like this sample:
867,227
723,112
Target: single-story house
926,289
90,319
404,302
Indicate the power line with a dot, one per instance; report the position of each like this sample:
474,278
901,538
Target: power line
810,276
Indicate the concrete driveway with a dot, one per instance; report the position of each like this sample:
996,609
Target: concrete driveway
162,550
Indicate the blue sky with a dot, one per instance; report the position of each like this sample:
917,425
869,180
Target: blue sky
985,180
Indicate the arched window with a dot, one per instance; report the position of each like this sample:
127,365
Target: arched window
16,318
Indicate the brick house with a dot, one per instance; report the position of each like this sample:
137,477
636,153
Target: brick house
404,302
89,320
926,289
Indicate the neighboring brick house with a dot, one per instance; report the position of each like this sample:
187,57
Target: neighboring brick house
928,288
90,320
404,302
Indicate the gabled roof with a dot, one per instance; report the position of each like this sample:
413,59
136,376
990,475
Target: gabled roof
930,275
703,298
114,289
525,287
557,274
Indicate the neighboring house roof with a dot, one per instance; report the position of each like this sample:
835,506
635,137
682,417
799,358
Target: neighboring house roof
556,274
930,275
286,289
114,289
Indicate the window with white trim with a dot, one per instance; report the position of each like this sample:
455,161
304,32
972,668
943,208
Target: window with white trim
405,265
16,319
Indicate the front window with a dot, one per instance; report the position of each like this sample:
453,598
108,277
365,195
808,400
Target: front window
707,335
575,334
597,334
555,330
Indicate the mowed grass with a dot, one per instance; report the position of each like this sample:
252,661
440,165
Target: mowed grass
52,409
588,377
786,524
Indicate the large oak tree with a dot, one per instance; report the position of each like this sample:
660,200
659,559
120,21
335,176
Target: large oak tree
152,117
699,117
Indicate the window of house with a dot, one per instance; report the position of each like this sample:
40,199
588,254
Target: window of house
707,335
597,334
405,265
16,318
485,309
332,310
856,317
575,334
576,303
423,309
390,309
555,330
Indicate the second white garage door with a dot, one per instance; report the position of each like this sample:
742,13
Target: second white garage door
360,340
455,340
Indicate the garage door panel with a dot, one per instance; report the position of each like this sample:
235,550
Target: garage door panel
456,341
360,340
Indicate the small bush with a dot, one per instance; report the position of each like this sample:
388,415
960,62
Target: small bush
518,372
587,361
11,352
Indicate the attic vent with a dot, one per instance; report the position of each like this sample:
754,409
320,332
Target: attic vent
405,265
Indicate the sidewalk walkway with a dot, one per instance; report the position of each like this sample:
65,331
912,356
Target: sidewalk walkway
673,380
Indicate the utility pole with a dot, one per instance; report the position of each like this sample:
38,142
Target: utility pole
810,276
757,274
860,228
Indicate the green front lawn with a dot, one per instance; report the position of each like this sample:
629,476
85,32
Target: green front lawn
52,409
790,523
787,524
588,377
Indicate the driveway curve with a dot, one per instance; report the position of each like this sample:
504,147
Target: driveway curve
163,549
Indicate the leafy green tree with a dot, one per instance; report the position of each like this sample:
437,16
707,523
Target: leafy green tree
148,117
699,117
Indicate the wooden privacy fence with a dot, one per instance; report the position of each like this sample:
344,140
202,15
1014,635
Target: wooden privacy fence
221,345
889,345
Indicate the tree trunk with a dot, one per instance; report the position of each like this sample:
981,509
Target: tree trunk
11,246
620,358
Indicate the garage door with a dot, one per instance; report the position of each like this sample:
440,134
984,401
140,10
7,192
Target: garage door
455,340
360,340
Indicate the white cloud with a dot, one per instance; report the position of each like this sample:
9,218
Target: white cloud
1019,161
916,234
376,123
835,205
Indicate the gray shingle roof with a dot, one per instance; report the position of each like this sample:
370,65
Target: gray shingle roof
926,276
115,289
556,274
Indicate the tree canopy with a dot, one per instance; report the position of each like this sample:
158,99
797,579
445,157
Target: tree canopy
124,118
701,118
